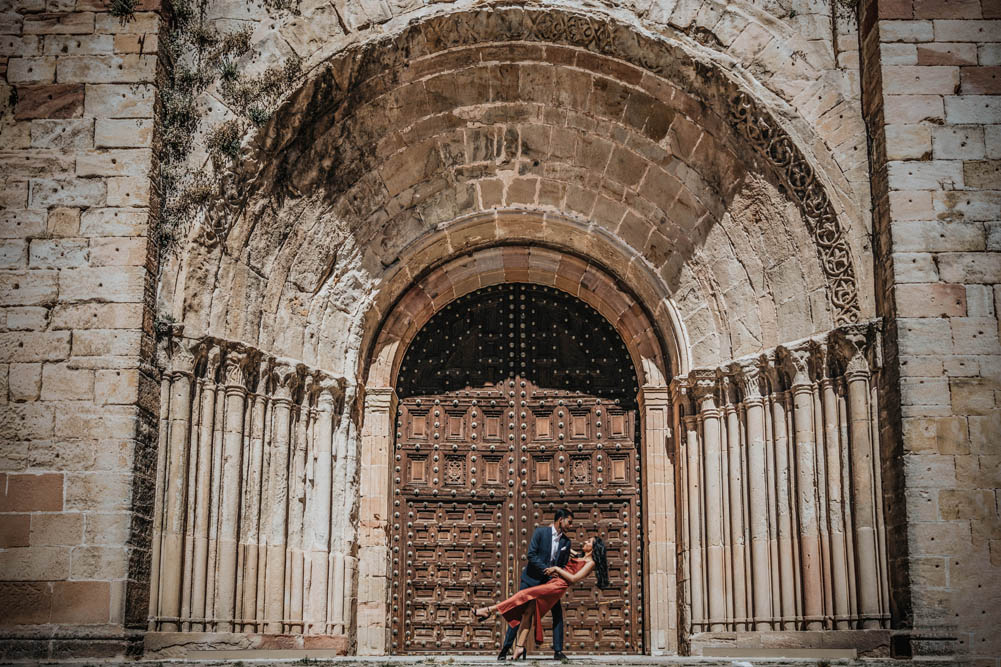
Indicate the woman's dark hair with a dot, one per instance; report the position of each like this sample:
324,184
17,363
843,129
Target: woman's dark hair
598,553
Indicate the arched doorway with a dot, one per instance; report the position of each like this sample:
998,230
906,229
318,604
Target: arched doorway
514,400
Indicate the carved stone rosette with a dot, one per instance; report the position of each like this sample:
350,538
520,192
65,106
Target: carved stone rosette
251,494
791,455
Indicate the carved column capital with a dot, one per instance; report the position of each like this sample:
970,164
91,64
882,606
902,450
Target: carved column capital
854,347
703,384
234,368
729,390
747,373
184,354
330,391
284,380
379,399
213,358
797,362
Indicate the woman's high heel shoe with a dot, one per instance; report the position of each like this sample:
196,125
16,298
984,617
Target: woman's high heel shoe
520,656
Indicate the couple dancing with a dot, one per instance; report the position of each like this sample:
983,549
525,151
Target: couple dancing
550,571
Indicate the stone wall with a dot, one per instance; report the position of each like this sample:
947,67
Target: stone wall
932,73
76,281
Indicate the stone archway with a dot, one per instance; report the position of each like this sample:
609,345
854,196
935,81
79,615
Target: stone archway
442,285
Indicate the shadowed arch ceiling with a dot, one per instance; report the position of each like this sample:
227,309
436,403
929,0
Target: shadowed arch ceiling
508,109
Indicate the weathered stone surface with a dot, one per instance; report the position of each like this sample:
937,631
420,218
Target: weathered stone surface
62,100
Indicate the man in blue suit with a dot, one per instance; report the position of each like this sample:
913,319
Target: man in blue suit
549,548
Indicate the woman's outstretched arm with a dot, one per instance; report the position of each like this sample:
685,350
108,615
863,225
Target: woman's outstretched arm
572,577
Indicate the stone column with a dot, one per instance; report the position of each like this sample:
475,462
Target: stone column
852,347
172,540
203,485
253,486
342,536
835,505
318,519
297,506
161,481
234,371
374,553
696,545
782,508
285,380
189,508
749,375
735,479
797,363
658,511
704,386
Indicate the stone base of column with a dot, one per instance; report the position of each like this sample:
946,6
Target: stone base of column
927,643
866,643
168,645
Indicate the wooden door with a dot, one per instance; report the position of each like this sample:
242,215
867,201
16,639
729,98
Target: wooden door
478,468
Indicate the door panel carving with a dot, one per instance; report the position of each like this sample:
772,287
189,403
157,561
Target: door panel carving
480,463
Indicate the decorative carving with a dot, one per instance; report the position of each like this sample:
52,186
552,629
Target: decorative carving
769,140
284,380
455,470
184,354
853,347
797,363
703,384
748,373
580,471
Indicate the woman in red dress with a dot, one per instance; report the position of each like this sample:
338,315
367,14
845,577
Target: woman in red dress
531,604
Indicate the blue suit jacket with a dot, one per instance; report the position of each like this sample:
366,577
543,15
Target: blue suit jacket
538,556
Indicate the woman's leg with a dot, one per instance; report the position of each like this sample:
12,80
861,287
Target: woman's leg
524,629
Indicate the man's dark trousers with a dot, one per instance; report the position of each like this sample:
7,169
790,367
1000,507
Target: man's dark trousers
533,575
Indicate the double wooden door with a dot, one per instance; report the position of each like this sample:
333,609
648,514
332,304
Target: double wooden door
475,472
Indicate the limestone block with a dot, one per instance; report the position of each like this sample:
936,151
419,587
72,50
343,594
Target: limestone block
19,45
73,23
924,336
67,192
910,204
989,54
982,174
975,335
25,288
21,223
135,163
31,70
64,529
937,236
81,602
899,53
102,528
128,191
106,342
972,109
63,222
972,395
67,135
966,31
139,22
947,54
25,381
934,300
981,267
34,163
13,254
114,222
144,43
35,564
120,386
93,562
128,68
62,382
927,175
31,493
905,142
115,284
119,252
14,530
97,316
123,133
14,193
62,253
79,45
119,101
967,205
27,318
914,108
60,100
98,491
906,31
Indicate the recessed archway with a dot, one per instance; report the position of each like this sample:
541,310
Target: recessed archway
586,280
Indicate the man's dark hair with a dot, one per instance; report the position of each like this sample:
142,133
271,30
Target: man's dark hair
562,513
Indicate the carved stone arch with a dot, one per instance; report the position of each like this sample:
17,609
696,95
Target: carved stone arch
332,90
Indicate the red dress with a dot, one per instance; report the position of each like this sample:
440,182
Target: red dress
545,596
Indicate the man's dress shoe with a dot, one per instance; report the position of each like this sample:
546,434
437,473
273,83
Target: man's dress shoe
561,656
503,654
